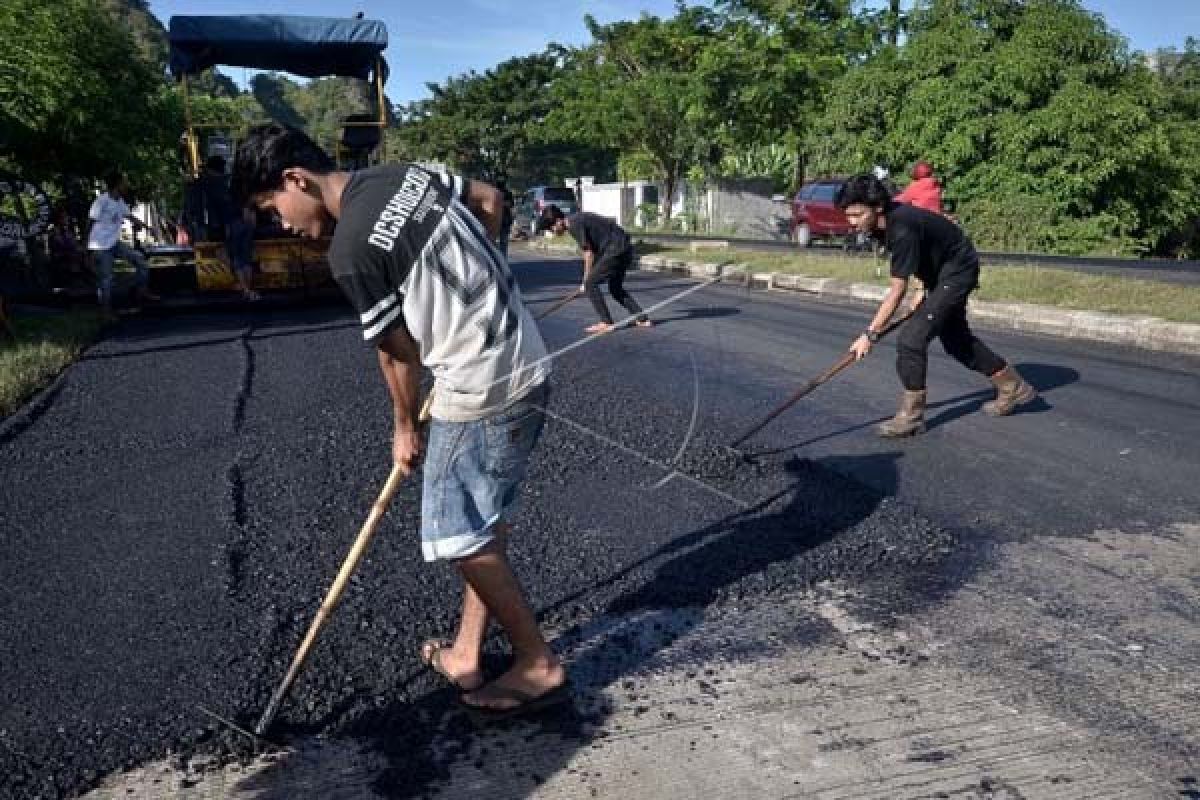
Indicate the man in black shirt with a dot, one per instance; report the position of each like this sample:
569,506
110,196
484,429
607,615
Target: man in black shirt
935,251
607,256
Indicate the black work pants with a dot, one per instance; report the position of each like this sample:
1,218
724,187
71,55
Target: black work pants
942,315
612,268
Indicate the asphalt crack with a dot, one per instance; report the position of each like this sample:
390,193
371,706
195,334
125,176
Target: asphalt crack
237,551
246,382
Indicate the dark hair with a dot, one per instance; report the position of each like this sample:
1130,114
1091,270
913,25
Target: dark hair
266,152
550,215
864,190
113,179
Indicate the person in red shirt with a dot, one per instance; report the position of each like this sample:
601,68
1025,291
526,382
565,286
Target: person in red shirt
924,191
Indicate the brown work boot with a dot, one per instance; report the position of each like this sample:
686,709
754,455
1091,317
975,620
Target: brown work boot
909,420
1011,391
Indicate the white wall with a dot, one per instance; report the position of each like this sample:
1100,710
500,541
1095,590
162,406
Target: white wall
743,208
604,199
620,201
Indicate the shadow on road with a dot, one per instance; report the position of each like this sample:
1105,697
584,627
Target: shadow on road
822,526
1044,377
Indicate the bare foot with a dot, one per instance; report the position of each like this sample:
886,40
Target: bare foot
458,669
600,327
526,681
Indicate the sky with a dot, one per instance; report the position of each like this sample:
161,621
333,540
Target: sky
429,41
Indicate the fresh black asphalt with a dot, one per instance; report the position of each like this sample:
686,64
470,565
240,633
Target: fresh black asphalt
173,514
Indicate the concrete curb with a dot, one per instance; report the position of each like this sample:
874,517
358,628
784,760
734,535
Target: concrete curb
1148,333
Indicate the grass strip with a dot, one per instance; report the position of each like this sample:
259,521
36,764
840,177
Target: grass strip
1002,283
45,344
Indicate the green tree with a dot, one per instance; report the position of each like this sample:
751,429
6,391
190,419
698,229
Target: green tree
1049,130
1180,75
767,74
486,124
773,161
213,83
147,31
637,88
76,96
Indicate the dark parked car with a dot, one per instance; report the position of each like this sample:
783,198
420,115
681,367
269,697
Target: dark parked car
529,206
814,216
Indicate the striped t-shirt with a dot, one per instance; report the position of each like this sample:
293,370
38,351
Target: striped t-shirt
408,252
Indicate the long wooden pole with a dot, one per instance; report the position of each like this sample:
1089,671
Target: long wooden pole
334,595
558,305
808,388
383,115
193,145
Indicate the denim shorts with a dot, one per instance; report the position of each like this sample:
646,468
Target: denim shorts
472,476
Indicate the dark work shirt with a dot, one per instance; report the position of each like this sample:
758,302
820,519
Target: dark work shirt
506,215
599,234
929,246
409,254
208,207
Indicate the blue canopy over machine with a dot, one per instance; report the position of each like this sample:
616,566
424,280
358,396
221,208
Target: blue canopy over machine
312,47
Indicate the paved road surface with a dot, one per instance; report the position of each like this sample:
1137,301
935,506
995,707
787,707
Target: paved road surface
1001,608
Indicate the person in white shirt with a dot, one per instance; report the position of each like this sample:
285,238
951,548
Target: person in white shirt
107,215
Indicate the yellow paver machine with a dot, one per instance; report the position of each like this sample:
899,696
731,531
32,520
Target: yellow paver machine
310,47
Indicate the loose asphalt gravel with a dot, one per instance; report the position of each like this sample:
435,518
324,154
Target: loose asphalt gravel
174,511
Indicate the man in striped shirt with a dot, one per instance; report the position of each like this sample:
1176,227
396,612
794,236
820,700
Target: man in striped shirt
413,250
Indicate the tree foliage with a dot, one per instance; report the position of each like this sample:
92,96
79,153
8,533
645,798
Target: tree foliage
76,96
638,88
1049,131
769,72
483,123
146,30
493,125
318,106
1180,74
83,90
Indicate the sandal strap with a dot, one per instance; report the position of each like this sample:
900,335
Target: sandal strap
521,697
430,652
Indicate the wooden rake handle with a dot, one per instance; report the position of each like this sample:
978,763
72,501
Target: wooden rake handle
806,389
334,595
558,305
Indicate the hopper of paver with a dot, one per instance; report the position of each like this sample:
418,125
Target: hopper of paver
310,47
